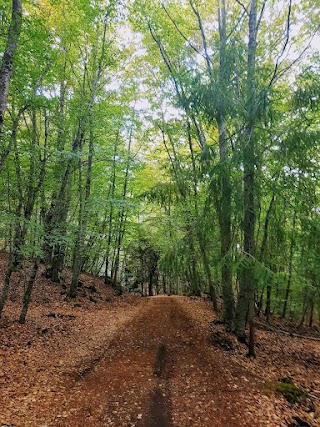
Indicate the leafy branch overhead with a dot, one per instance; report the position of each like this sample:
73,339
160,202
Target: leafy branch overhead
166,146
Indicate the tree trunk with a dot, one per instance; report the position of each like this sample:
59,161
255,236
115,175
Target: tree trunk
63,201
14,262
76,262
110,228
247,286
49,214
24,209
260,302
225,185
28,292
212,289
6,70
122,217
150,285
200,236
311,312
83,219
164,284
268,303
304,312
288,288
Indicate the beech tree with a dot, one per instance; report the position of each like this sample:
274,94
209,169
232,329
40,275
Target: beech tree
222,92
7,67
183,133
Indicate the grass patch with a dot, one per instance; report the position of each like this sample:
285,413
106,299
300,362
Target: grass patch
290,391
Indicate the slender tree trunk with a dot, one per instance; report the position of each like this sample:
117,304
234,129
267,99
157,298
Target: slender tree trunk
311,312
16,256
83,219
304,312
122,216
267,311
266,229
50,214
200,237
260,302
63,201
14,260
288,288
262,252
6,70
224,207
164,284
110,222
150,284
212,289
193,272
28,291
24,209
12,267
225,185
59,213
247,286
76,262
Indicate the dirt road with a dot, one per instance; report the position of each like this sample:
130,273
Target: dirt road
161,371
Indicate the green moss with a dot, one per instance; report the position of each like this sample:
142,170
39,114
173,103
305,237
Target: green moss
289,391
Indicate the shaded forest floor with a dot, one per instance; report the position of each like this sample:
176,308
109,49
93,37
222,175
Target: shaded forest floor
127,361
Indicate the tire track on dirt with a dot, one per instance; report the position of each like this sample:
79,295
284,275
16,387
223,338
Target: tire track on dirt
159,371
129,385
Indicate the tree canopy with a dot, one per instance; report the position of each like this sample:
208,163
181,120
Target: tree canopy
168,145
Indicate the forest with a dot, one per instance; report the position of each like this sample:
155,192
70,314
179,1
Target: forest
163,147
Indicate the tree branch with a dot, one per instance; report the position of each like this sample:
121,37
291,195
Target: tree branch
204,40
179,88
166,59
243,7
282,72
261,14
180,32
235,26
274,76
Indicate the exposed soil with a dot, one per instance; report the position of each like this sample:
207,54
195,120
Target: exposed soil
147,363
158,370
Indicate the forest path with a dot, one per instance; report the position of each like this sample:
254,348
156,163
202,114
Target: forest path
161,371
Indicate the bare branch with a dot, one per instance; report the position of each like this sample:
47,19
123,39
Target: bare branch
180,32
243,7
165,59
179,88
261,14
236,26
284,46
204,40
287,68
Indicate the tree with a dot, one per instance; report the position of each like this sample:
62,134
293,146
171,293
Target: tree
7,67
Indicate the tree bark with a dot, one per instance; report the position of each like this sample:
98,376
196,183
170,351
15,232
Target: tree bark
225,185
110,228
150,284
83,219
267,311
122,217
288,288
28,292
24,209
245,303
62,204
6,70
311,312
